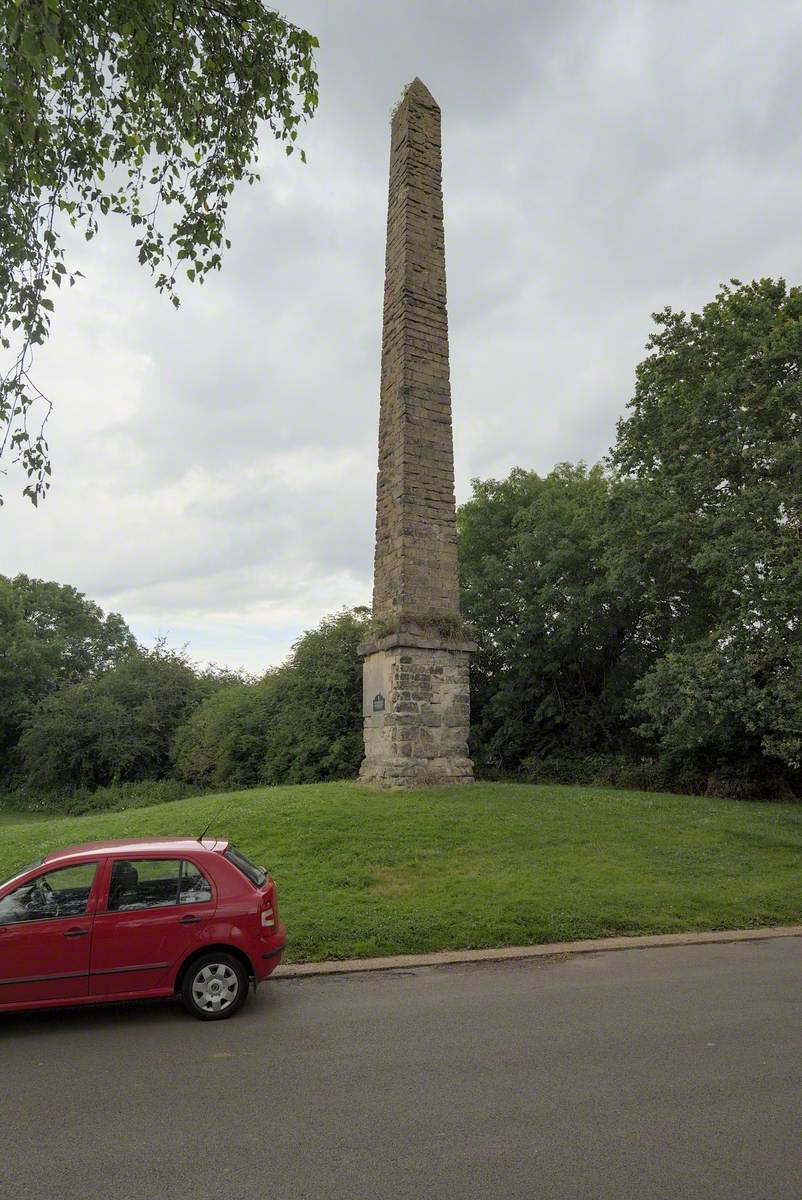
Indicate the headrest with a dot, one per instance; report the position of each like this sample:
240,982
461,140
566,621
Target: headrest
124,876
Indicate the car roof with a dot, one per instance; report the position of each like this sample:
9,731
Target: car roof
139,846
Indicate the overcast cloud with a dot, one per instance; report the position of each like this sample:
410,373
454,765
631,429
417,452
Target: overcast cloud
215,468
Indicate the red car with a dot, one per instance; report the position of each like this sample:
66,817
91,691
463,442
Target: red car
126,920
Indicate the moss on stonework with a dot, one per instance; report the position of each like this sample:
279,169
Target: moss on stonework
445,624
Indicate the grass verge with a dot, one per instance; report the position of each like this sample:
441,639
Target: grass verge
19,818
365,873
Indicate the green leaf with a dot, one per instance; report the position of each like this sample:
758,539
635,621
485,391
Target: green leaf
147,92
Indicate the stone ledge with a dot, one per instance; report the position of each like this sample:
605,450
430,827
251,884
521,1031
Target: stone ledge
399,640
414,772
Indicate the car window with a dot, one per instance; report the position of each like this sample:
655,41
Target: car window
257,875
63,892
22,871
195,887
143,883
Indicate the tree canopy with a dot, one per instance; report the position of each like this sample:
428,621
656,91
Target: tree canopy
115,726
647,611
558,608
51,637
150,109
715,435
300,723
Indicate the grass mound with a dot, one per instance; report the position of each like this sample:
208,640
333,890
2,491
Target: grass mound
362,872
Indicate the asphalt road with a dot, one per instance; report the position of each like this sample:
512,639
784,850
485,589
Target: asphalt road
651,1074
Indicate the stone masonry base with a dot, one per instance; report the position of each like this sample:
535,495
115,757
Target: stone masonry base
416,715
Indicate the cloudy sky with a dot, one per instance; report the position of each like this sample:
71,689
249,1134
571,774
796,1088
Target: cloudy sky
215,468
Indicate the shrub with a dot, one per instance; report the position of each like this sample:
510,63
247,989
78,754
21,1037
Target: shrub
114,798
749,780
301,723
118,727
223,742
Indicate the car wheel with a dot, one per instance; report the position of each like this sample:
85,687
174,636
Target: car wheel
214,987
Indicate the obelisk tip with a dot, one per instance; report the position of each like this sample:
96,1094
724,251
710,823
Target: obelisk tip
416,92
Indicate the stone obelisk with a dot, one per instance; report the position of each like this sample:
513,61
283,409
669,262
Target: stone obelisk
415,674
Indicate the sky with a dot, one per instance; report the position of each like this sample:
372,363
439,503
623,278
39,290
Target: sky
215,467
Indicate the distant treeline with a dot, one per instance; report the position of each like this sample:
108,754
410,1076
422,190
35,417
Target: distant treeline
638,622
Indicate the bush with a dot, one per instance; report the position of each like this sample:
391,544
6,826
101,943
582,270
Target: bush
584,769
114,798
301,723
223,742
118,727
665,773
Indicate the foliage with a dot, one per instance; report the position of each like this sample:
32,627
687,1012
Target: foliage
298,724
638,622
558,615
150,109
431,621
118,726
223,741
116,797
642,622
715,435
489,865
315,731
51,636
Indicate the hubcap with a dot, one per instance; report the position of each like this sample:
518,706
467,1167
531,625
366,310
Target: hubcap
215,987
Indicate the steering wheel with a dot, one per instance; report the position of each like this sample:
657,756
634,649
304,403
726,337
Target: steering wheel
44,897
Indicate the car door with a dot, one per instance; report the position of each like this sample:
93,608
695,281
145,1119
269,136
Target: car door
46,934
153,914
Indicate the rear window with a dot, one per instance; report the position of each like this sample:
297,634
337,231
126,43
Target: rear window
257,875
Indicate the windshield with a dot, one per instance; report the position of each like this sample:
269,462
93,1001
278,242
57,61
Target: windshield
257,875
22,871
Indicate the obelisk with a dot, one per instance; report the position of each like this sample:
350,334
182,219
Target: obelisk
415,674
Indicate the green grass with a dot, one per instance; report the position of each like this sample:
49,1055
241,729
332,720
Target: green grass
19,818
362,872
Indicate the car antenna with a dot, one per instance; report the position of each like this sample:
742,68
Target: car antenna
212,821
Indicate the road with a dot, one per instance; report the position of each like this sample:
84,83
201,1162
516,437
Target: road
651,1074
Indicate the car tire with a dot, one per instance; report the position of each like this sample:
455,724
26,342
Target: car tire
214,986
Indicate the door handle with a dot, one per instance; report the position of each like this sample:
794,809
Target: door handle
190,919
73,933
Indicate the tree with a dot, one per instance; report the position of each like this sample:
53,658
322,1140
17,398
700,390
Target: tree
315,732
715,434
118,726
51,636
650,610
558,613
223,741
299,724
150,109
